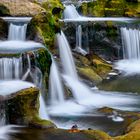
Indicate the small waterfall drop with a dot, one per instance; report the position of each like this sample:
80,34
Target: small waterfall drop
10,68
70,12
79,90
130,64
42,110
55,85
79,36
130,43
66,56
17,31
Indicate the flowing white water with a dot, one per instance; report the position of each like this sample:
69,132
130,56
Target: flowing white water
130,43
17,31
5,131
66,56
71,15
78,47
17,27
131,51
79,36
37,79
70,12
10,86
15,47
56,89
42,110
82,93
10,68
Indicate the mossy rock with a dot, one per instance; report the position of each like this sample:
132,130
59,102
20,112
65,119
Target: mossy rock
133,132
89,74
44,26
22,108
101,66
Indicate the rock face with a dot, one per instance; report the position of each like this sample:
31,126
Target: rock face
19,8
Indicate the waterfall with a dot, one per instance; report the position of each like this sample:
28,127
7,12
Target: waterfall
130,43
130,64
79,90
17,27
66,56
10,68
17,31
56,90
42,109
70,12
79,36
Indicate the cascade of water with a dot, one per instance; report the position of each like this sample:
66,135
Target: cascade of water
80,90
42,109
131,43
70,12
10,68
17,31
78,47
37,79
55,85
79,36
66,56
71,15
131,51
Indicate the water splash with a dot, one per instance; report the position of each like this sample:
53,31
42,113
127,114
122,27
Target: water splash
130,64
56,89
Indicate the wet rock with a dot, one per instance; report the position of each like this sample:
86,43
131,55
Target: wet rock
22,108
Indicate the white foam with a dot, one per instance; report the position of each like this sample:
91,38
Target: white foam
128,66
8,87
14,47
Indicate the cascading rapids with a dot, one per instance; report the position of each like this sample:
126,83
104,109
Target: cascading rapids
15,62
131,51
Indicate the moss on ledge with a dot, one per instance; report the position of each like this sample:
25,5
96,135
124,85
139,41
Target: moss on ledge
22,108
44,26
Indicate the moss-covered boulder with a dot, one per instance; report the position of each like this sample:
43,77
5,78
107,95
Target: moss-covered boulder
92,67
44,26
22,108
